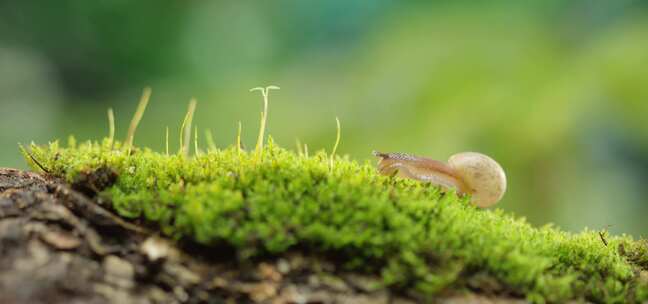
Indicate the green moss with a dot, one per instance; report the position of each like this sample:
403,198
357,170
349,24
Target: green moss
411,234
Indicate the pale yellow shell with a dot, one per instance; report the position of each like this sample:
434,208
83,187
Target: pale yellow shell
483,176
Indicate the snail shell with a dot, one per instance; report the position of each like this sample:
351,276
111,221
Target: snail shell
484,177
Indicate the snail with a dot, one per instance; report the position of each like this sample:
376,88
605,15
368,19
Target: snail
468,172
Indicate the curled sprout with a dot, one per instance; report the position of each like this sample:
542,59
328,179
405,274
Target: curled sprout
264,115
337,142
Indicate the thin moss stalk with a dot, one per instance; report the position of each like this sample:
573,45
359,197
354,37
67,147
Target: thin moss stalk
137,117
337,141
185,129
196,149
239,144
111,127
166,141
209,137
298,145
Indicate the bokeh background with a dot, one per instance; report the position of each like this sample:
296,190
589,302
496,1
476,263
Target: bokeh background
557,91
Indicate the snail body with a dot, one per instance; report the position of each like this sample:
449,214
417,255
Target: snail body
469,173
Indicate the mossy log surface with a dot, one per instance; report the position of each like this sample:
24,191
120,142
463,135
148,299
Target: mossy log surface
57,245
228,208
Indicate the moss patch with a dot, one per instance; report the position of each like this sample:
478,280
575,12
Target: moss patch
415,237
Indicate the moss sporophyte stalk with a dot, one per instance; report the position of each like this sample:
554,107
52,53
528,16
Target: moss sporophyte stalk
271,200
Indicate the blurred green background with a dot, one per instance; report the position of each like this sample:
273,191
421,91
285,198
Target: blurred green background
556,91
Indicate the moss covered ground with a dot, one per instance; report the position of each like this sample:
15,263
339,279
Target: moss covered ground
270,201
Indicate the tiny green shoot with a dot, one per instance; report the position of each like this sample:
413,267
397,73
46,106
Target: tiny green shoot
196,150
209,137
139,113
239,145
111,127
337,142
185,129
166,141
300,151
